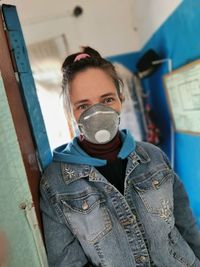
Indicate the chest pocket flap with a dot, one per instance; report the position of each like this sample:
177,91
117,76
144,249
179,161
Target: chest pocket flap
83,204
87,215
154,179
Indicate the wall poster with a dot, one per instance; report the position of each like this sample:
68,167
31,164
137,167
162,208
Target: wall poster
182,88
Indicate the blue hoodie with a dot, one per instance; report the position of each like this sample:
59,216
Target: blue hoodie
72,153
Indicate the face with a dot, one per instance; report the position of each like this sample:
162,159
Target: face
91,87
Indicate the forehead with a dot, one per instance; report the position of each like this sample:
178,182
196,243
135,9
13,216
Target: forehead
91,82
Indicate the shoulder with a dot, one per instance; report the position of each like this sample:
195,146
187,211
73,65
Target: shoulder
53,168
51,175
147,147
152,152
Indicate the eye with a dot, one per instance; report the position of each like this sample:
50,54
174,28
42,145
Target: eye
108,100
83,107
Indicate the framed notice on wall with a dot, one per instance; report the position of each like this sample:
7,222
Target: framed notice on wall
182,88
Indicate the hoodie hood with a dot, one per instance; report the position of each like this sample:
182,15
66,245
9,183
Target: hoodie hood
72,153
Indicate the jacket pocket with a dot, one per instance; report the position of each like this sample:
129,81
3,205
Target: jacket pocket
87,215
179,249
156,192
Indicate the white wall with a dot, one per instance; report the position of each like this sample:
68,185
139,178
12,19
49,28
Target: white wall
149,16
112,27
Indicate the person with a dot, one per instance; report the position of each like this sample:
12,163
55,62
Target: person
107,200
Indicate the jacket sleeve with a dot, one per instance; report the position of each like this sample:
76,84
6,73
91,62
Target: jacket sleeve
184,219
63,249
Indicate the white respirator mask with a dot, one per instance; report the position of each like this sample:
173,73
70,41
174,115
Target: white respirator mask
99,124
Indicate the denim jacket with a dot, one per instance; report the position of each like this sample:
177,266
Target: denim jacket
88,222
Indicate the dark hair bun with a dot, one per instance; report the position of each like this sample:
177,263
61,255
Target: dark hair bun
90,51
86,49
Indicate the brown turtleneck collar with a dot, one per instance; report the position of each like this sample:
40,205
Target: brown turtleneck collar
108,151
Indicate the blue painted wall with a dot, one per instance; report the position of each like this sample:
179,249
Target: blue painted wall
178,39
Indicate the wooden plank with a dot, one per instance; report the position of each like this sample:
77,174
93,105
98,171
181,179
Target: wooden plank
19,118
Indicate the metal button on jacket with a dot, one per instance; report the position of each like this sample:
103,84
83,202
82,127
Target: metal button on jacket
143,259
85,205
155,184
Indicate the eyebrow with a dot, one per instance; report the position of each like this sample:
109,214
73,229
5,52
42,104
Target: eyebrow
83,101
108,94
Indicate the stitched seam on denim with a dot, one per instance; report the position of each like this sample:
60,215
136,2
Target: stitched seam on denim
102,233
81,211
130,230
100,254
173,240
54,205
180,259
78,194
142,153
162,211
131,169
108,226
140,225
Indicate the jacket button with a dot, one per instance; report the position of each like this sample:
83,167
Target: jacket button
134,218
128,182
108,188
155,184
93,175
85,205
143,259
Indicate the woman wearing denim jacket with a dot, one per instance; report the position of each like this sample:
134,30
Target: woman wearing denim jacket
107,200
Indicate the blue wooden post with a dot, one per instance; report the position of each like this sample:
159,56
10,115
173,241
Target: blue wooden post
27,85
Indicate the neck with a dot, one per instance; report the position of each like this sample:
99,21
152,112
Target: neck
108,151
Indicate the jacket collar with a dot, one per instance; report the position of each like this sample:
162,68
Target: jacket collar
73,172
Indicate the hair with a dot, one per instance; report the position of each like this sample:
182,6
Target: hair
71,68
